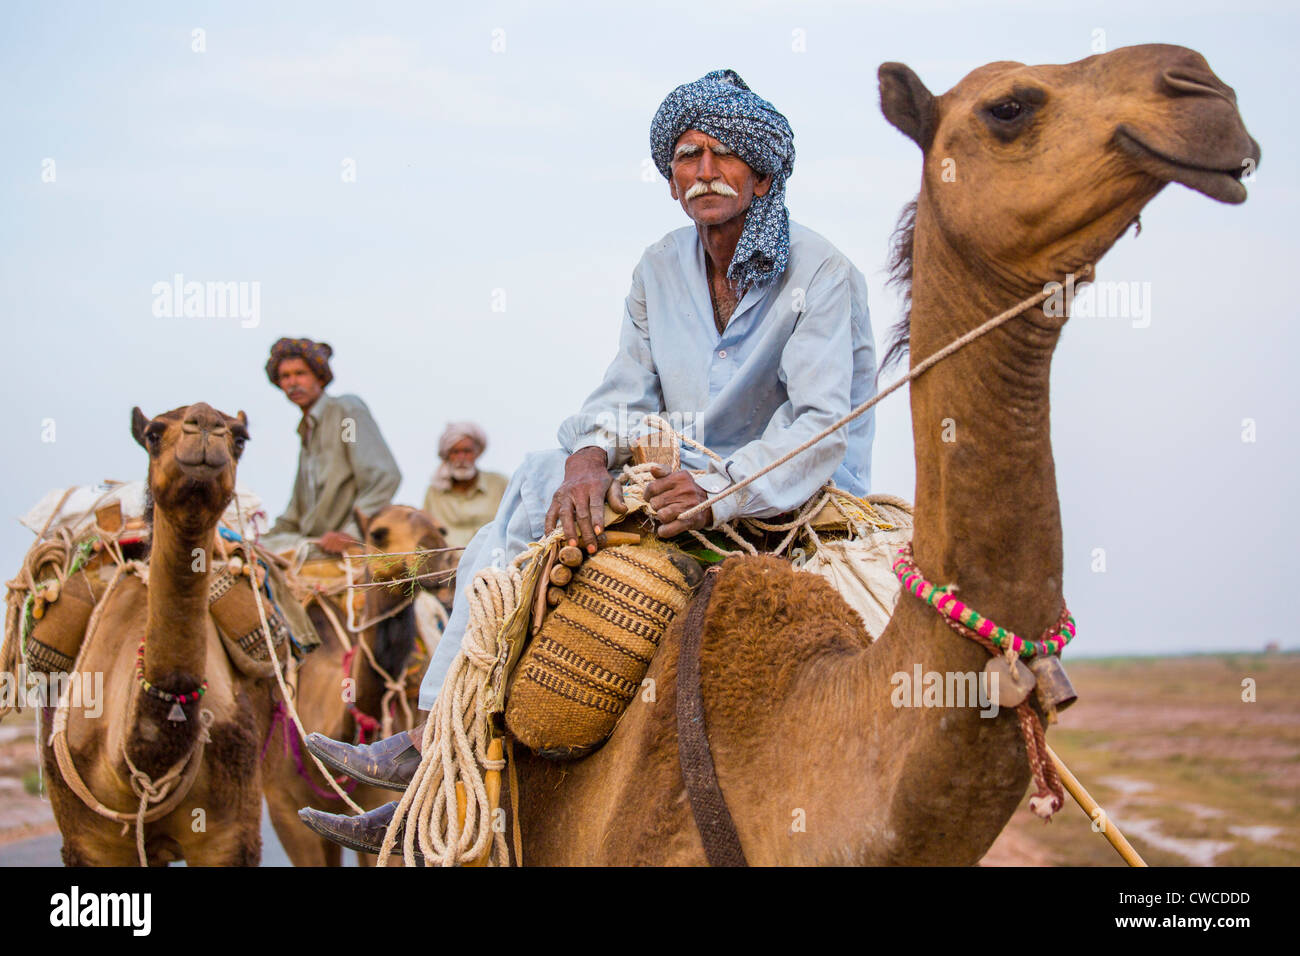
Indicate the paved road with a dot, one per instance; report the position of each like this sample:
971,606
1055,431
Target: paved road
44,850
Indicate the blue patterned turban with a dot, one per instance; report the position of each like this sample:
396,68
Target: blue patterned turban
721,105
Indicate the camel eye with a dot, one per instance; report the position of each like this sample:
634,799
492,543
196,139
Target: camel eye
1006,111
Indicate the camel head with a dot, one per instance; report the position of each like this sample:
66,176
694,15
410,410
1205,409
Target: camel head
1032,171
192,456
399,530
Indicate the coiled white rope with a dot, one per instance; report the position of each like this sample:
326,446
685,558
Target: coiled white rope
454,746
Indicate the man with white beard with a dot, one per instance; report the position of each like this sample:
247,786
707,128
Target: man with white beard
462,499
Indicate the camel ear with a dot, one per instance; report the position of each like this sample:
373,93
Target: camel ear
907,104
139,422
362,522
243,419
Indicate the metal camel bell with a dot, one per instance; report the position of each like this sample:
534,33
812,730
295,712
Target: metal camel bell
1055,693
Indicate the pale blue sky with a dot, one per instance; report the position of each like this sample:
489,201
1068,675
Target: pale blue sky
522,171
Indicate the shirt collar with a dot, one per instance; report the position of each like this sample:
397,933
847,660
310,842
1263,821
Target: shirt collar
311,418
701,269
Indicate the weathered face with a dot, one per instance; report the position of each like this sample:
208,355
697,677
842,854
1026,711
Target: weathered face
1042,168
712,183
192,457
463,454
299,382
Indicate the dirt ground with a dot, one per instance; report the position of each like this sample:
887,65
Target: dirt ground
23,813
1190,772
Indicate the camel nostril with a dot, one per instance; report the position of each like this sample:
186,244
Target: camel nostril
1185,82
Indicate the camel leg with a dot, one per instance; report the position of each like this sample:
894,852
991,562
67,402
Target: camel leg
105,849
303,847
241,845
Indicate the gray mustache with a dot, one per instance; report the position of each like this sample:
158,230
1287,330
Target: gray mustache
716,186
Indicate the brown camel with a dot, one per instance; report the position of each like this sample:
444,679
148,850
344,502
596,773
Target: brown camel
327,705
1052,164
192,456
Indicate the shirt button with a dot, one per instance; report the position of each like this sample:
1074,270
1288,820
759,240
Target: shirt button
722,353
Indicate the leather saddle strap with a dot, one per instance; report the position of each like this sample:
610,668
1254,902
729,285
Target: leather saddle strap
708,805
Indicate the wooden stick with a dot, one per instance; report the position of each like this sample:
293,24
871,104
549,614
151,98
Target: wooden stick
1091,807
612,539
491,783
554,596
570,556
561,575
648,449
539,601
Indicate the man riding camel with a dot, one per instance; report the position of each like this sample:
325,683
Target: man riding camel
344,465
752,329
461,498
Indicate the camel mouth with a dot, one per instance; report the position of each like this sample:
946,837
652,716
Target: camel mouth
1221,183
201,473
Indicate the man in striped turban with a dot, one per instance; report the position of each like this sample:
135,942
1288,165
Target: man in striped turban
747,331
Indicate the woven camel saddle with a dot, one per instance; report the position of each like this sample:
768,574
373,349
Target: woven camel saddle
597,621
63,579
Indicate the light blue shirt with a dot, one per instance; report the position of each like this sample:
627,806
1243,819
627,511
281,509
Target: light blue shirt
796,355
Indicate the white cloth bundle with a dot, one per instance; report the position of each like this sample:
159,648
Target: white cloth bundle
77,512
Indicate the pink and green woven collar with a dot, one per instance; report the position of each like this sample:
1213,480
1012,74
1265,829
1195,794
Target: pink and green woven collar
947,604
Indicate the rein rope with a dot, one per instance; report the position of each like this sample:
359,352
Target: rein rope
998,320
285,694
636,478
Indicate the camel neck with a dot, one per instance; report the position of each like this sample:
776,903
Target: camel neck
987,512
176,636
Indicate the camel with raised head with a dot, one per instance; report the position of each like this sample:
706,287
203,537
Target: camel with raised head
193,452
342,694
817,766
